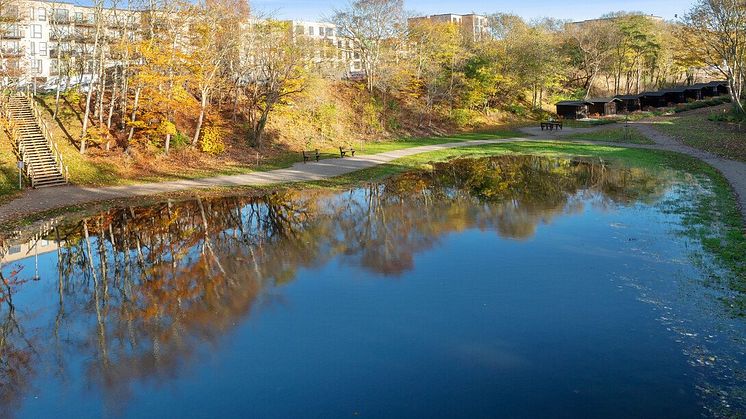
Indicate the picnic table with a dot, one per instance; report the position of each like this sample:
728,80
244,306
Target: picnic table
551,125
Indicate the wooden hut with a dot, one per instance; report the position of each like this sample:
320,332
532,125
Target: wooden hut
573,109
706,90
720,87
603,106
653,99
674,95
628,103
693,93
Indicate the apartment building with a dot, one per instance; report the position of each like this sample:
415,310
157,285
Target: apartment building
33,34
473,26
333,53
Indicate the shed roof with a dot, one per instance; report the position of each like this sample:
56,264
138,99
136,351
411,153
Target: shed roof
604,100
627,97
657,93
573,103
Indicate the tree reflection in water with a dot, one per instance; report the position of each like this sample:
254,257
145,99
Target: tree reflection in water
140,289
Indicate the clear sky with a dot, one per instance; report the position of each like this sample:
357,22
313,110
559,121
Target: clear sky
528,9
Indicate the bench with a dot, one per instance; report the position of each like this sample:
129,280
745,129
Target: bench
551,125
311,154
345,150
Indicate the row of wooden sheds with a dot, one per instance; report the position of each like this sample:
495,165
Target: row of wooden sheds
576,109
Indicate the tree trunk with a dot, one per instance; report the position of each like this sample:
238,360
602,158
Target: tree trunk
203,105
134,115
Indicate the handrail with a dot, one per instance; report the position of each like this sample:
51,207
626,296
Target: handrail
47,136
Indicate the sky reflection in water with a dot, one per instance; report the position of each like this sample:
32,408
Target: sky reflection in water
510,286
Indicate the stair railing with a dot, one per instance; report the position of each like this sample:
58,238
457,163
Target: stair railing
47,136
11,129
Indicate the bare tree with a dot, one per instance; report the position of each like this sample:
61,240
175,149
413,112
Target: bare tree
99,22
372,26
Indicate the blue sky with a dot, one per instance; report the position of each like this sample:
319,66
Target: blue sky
562,9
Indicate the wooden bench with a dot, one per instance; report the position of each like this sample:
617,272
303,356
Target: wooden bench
311,154
345,150
551,125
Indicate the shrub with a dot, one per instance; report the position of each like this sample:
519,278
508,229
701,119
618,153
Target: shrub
212,141
179,140
461,117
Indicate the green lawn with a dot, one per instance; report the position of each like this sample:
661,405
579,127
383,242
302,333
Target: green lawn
612,135
722,138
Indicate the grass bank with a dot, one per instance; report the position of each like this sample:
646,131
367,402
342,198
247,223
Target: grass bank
726,139
612,135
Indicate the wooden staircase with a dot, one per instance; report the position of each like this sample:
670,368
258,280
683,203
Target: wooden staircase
32,142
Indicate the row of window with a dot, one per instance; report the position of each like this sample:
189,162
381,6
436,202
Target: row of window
322,31
35,48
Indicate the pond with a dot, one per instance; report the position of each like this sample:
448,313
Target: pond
516,286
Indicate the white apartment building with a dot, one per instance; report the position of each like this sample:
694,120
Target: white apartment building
473,26
34,33
334,52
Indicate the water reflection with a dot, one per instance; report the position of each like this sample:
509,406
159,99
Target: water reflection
139,290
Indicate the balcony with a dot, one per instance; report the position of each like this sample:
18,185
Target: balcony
13,35
60,20
84,22
11,52
60,36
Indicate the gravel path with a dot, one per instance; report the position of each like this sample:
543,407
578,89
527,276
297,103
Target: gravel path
35,200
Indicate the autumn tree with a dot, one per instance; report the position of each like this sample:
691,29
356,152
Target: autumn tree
274,71
215,32
720,27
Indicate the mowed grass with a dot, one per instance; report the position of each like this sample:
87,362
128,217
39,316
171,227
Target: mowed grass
722,138
612,135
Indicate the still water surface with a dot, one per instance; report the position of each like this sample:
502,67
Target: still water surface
499,287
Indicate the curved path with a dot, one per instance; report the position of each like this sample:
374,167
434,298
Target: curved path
36,200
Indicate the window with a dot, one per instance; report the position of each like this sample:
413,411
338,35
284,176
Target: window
60,15
33,48
41,13
43,49
31,13
299,30
310,30
329,31
78,16
14,250
39,66
36,31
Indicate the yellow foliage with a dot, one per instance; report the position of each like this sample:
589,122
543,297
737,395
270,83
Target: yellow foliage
212,140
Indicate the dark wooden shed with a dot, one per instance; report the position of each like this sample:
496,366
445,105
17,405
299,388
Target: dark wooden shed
706,89
674,95
628,103
603,106
653,99
693,92
720,87
573,109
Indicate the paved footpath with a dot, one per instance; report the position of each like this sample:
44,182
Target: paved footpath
35,200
